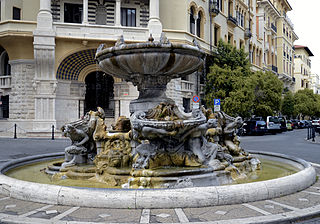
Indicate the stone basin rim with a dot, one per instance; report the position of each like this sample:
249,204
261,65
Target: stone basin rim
153,47
155,198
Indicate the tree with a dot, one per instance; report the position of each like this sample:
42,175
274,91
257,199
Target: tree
267,93
241,91
229,67
287,106
306,103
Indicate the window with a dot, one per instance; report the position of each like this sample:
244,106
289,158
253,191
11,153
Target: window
4,106
16,13
216,35
199,25
72,13
186,105
302,83
128,17
230,38
5,68
101,15
192,21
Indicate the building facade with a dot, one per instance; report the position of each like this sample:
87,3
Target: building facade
302,69
48,75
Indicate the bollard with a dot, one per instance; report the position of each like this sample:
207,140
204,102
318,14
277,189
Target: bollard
52,133
15,131
308,133
313,133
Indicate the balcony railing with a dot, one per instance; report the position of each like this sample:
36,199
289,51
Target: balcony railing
232,20
186,86
5,82
273,27
247,33
274,68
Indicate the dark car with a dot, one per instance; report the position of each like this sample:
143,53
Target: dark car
294,123
283,123
254,127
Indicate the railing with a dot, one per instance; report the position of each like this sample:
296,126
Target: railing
232,20
273,27
186,86
5,82
99,31
247,33
274,68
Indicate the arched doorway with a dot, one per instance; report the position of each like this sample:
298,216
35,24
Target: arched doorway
99,93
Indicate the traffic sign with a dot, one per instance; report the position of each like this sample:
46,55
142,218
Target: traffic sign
217,102
196,99
216,108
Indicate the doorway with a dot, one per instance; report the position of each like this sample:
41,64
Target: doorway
99,93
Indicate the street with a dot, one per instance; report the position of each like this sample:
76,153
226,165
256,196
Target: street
290,143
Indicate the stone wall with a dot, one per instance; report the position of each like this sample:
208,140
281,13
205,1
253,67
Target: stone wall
21,97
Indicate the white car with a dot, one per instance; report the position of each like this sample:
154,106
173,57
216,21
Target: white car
273,124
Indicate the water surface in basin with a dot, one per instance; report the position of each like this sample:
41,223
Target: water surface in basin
35,173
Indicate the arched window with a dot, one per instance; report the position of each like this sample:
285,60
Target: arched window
199,24
192,21
5,68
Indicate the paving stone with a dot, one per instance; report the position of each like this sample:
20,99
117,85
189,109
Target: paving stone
43,214
163,216
292,200
18,207
268,207
105,215
219,213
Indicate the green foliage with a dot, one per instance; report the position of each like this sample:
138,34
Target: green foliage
306,103
287,107
267,93
242,92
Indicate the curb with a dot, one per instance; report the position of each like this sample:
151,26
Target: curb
157,198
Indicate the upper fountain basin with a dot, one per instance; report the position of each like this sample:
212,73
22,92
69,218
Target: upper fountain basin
151,58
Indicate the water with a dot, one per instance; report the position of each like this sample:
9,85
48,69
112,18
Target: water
35,173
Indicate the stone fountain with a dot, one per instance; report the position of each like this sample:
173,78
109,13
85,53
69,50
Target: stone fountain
160,145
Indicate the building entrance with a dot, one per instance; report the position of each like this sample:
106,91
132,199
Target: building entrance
99,93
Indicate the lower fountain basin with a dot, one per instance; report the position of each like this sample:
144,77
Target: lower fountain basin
157,198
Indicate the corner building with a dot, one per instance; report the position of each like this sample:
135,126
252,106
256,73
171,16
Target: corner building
48,75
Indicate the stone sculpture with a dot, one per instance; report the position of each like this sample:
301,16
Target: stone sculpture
159,145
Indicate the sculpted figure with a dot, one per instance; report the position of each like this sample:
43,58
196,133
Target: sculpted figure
76,153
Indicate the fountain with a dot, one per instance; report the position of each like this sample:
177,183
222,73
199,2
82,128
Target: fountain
159,146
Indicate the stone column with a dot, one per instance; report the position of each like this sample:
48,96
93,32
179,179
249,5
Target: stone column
44,82
118,13
154,25
85,12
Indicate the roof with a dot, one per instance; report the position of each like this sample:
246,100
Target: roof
288,5
305,48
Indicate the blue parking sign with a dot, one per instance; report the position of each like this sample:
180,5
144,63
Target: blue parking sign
216,101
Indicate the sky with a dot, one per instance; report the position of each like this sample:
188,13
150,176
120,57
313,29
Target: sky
305,18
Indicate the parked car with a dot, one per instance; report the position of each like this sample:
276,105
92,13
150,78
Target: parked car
283,123
254,127
289,125
273,124
316,125
301,124
295,123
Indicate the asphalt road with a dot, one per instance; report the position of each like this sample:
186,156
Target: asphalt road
17,148
290,143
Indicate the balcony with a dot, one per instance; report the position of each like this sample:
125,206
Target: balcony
5,82
186,86
89,31
273,27
274,69
247,33
232,21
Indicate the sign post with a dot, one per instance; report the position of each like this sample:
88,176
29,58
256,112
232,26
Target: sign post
217,104
196,100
